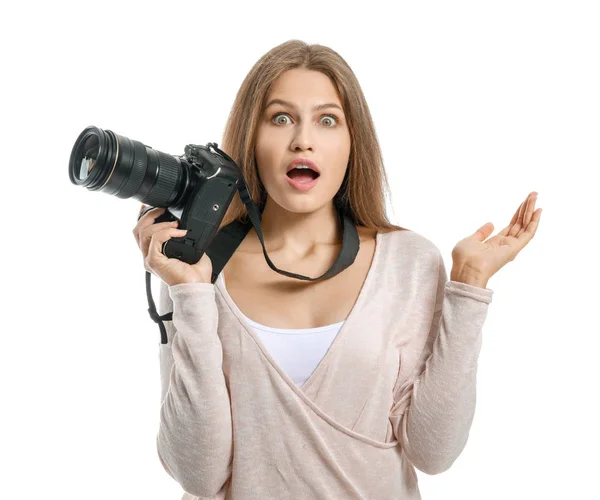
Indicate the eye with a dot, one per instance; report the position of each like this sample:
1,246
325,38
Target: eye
278,114
329,117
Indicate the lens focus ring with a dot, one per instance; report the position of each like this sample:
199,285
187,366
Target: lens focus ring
163,192
138,170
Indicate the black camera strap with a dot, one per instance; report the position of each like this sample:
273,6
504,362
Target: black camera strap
229,237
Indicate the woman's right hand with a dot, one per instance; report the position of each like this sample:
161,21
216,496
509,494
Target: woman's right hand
150,238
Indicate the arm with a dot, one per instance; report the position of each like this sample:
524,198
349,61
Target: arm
194,440
435,405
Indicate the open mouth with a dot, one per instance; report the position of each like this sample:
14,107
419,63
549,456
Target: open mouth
302,174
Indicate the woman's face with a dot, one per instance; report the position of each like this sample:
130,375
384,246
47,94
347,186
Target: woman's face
296,130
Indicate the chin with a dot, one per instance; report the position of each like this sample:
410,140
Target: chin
295,201
306,205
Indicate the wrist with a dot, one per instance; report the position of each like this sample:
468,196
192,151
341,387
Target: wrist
189,282
469,278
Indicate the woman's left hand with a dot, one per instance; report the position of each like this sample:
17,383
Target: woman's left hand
479,260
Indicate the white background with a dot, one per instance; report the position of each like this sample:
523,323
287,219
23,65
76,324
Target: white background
476,104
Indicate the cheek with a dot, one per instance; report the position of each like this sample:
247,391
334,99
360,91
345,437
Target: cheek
339,157
339,179
264,150
264,163
337,146
269,156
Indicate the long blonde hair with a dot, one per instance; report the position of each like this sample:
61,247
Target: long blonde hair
362,194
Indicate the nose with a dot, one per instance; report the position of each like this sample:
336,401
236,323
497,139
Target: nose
302,138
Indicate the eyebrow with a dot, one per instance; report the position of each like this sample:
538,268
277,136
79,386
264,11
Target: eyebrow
316,108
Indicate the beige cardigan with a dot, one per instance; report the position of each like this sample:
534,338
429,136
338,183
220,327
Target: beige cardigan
395,391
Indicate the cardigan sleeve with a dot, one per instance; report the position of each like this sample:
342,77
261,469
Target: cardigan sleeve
434,408
194,440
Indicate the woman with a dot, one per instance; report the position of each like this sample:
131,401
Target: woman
277,388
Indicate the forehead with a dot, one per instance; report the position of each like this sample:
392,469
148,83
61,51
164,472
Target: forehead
304,88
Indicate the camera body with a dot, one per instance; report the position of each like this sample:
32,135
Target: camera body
214,181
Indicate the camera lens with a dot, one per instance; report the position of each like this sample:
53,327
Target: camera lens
104,161
90,155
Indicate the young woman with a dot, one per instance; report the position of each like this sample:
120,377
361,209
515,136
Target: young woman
278,388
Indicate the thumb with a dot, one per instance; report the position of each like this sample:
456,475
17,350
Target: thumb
484,231
204,262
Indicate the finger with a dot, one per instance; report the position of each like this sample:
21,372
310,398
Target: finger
150,216
147,220
528,214
530,230
144,210
517,224
157,240
514,219
516,216
145,236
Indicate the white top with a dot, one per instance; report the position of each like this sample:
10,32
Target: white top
296,351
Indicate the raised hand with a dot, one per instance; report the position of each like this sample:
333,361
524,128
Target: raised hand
476,260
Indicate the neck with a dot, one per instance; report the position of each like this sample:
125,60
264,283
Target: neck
299,234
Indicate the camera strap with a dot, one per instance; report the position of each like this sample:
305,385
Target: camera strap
229,237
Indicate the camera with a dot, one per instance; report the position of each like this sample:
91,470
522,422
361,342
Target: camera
196,188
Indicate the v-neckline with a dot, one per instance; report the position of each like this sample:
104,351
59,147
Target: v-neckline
334,344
